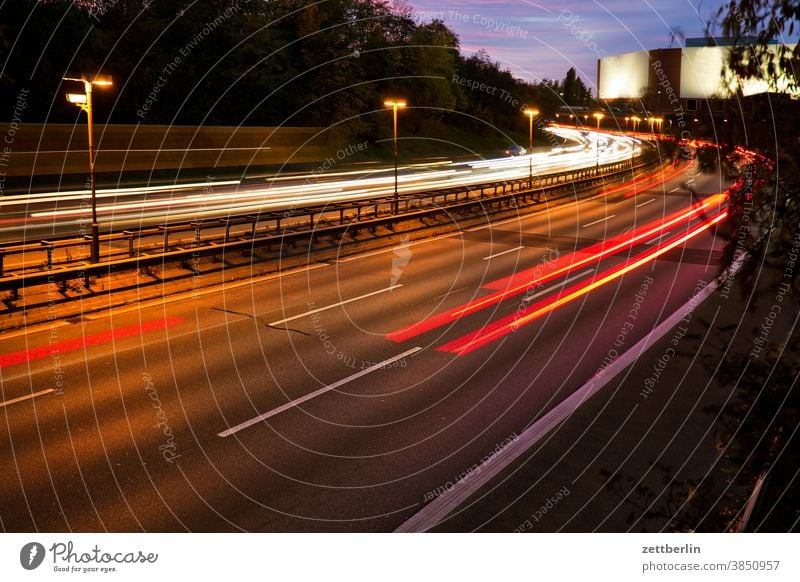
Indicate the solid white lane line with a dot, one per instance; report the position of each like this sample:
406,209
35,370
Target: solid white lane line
445,504
658,238
645,202
28,397
675,189
503,253
609,217
346,301
307,397
554,287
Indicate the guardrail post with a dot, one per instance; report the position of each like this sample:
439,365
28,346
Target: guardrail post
129,235
166,237
49,248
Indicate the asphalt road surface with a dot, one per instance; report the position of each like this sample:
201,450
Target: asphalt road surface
338,397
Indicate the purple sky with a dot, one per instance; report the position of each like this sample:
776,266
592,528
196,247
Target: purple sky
538,40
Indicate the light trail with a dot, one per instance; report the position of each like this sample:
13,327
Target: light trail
80,343
520,282
164,203
511,323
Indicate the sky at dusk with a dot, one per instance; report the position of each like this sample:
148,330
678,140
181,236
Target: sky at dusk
538,40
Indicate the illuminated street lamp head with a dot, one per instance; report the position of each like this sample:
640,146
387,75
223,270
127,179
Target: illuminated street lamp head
531,112
99,80
102,81
394,103
76,98
598,115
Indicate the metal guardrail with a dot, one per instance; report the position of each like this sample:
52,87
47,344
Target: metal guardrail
350,216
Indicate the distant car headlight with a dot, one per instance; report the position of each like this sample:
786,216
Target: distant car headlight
515,150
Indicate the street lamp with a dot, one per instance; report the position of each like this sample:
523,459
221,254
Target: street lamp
395,105
530,113
635,120
598,117
84,101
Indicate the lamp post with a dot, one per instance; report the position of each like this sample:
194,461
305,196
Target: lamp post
635,120
530,113
84,101
598,117
395,105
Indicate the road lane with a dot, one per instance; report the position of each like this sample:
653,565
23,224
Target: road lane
362,457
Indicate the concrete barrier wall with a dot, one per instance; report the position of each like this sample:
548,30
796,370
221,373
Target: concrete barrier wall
54,149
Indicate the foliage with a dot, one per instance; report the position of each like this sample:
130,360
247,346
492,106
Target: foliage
256,62
575,92
765,21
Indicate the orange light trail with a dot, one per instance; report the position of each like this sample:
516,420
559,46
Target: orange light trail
503,327
562,266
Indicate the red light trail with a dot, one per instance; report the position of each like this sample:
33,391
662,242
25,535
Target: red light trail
498,329
72,345
520,282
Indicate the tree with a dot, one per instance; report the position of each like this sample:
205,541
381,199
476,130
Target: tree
432,65
251,62
575,92
767,20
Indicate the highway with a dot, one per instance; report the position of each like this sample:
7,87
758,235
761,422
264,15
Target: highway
347,395
32,217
